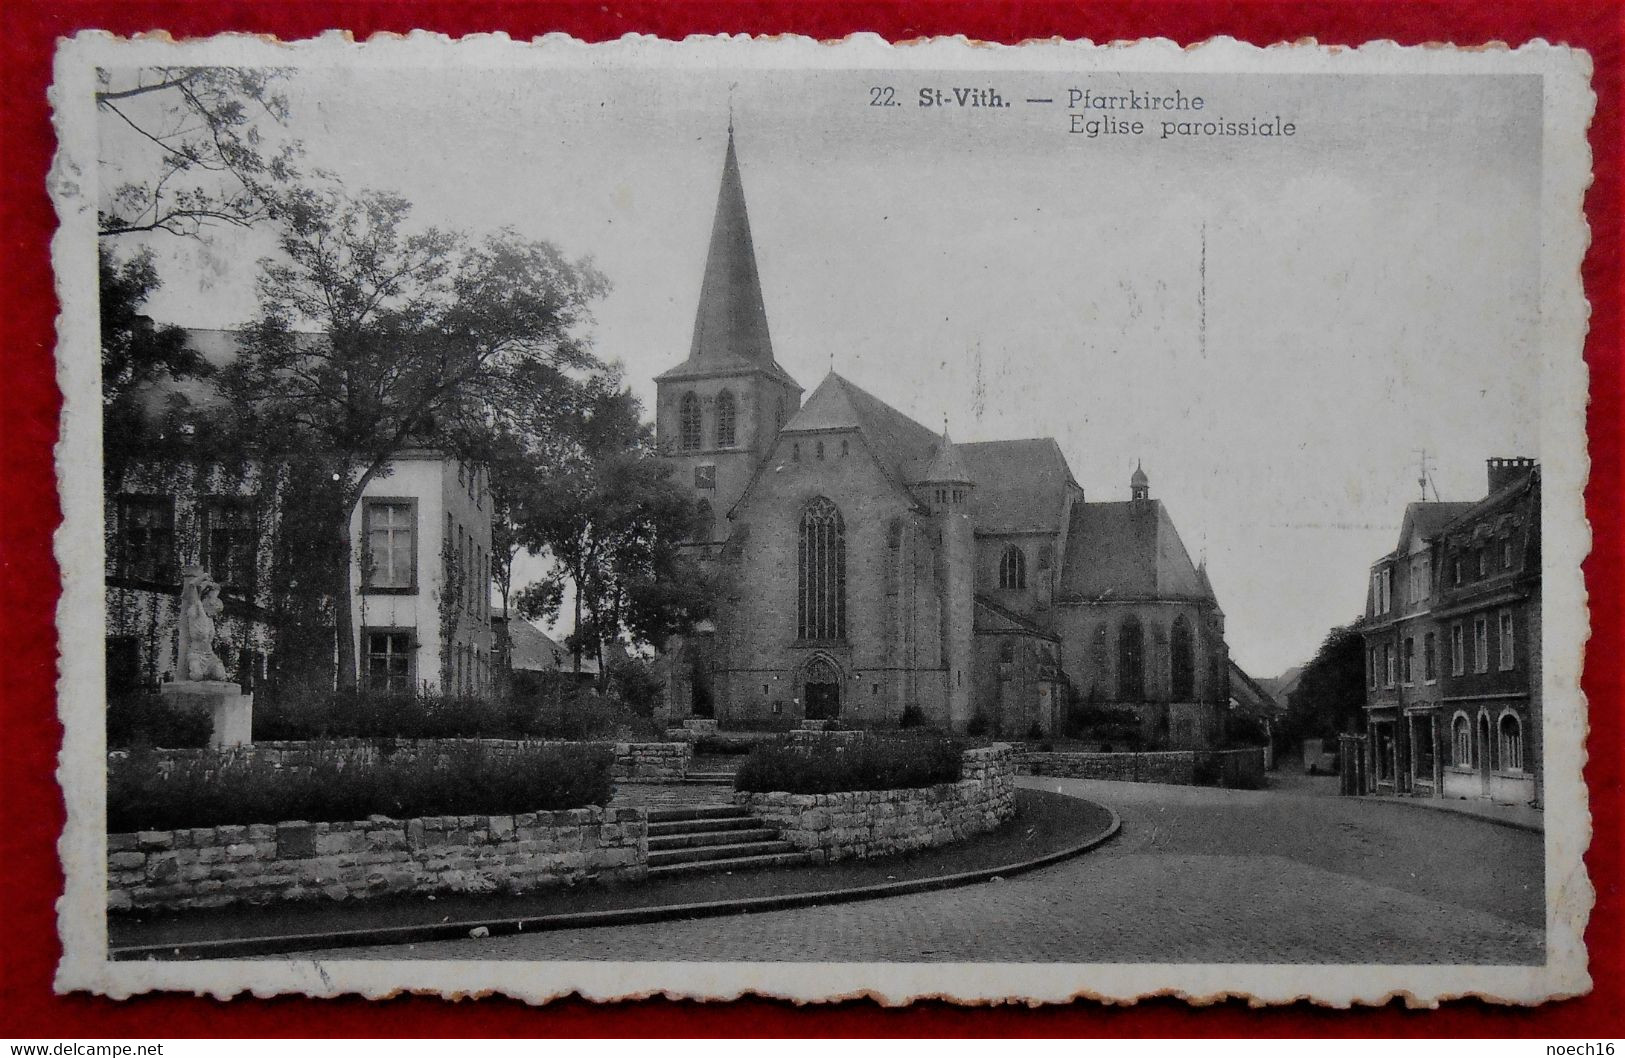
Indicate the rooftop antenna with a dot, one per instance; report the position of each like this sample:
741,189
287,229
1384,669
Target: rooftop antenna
1424,479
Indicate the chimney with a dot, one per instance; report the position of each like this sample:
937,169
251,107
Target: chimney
1504,470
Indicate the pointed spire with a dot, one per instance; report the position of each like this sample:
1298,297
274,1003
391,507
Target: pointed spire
946,467
731,323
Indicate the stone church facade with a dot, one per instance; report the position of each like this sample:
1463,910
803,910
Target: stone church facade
872,570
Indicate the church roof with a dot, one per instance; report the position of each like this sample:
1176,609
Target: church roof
903,446
730,324
1020,485
1128,550
990,617
946,466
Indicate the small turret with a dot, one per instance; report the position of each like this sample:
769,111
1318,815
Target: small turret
1139,486
945,482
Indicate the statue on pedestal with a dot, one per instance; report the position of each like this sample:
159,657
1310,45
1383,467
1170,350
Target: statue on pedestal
200,605
201,681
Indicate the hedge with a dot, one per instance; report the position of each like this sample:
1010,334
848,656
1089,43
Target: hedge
563,710
144,793
151,720
869,762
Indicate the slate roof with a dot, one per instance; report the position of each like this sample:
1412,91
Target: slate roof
903,447
946,465
1128,550
730,324
991,617
533,650
1425,519
1020,485
1252,698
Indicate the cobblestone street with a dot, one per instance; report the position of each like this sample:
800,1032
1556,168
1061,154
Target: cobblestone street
1197,875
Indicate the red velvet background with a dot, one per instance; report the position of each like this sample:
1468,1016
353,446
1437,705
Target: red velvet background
29,734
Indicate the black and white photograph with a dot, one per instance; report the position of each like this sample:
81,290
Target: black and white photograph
764,516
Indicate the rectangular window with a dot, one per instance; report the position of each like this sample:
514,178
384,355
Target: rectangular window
228,542
1455,571
1371,667
1458,655
1408,661
1430,660
1387,590
123,664
1481,644
389,660
391,534
1483,563
1506,554
146,527
1388,664
1506,641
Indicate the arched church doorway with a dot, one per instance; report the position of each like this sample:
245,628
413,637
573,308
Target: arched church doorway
822,690
702,700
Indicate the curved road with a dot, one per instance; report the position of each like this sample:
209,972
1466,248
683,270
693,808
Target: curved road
1197,875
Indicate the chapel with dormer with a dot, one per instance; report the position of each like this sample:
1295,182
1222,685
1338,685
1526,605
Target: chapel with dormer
872,570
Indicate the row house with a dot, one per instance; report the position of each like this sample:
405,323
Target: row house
421,565
1452,647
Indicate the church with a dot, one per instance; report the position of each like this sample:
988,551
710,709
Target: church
875,572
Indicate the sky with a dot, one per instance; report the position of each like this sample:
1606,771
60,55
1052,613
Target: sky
1276,328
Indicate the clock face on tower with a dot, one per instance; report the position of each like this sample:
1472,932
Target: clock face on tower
705,476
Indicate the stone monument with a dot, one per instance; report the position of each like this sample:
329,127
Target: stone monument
200,682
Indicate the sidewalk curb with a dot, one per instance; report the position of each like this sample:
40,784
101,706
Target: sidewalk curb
293,943
1411,802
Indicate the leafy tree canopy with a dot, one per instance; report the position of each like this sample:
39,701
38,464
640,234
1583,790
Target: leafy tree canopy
190,149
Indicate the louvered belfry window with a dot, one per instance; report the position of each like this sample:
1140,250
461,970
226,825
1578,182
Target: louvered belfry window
688,423
821,573
727,416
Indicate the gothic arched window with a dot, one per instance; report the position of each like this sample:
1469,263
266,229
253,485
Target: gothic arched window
1013,568
727,415
821,573
689,423
1183,661
1130,660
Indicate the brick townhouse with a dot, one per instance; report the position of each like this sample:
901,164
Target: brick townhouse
1452,647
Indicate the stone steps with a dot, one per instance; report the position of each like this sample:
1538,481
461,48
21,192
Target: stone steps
700,826
710,778
716,853
664,842
742,863
695,838
685,813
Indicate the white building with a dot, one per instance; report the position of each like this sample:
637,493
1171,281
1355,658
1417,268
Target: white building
420,546
421,560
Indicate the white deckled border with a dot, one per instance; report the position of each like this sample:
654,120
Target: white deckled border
1569,102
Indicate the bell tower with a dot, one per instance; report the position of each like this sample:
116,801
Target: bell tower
718,413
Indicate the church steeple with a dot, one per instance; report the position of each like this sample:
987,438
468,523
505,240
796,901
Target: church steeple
731,322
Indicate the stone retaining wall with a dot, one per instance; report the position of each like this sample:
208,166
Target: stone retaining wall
1238,768
217,866
865,823
634,761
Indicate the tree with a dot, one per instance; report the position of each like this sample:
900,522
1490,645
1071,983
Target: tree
614,523
189,142
1330,695
372,338
136,353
